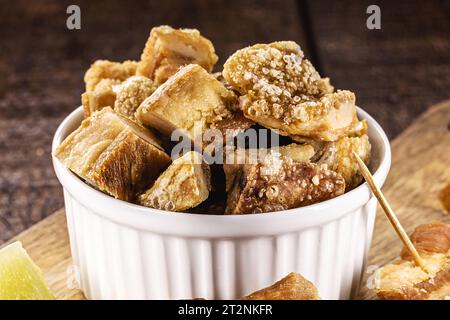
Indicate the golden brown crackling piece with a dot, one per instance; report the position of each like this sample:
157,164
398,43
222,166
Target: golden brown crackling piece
236,159
281,90
128,166
131,93
193,101
168,49
404,280
444,196
429,239
184,185
81,148
278,183
105,69
337,155
113,154
291,287
358,129
103,95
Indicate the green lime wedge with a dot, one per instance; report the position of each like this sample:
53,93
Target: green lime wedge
20,277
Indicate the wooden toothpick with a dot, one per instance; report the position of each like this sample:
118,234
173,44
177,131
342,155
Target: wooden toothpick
390,213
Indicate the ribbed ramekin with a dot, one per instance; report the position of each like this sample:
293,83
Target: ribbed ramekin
125,251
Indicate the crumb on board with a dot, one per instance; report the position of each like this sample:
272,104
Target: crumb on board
444,196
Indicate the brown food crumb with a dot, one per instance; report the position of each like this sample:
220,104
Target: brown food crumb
291,287
444,196
429,238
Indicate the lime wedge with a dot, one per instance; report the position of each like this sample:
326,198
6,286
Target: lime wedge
20,277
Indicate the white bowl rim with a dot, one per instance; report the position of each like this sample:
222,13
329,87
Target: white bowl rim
213,226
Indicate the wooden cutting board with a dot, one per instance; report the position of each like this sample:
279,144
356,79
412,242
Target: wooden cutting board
420,169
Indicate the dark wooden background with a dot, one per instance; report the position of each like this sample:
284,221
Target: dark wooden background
396,72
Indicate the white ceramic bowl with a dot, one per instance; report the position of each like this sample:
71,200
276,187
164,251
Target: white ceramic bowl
125,251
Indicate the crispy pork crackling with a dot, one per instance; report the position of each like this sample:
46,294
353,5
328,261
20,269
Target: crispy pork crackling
113,154
173,93
278,183
235,161
168,49
184,185
193,101
281,90
105,69
337,155
404,280
131,93
103,95
291,287
101,79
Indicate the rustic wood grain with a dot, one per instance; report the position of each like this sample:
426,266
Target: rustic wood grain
42,65
420,169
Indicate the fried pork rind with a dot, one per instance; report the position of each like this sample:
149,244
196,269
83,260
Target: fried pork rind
184,185
193,101
168,49
234,163
113,154
102,79
291,287
338,156
278,183
281,90
103,95
131,93
105,69
404,280
429,239
444,196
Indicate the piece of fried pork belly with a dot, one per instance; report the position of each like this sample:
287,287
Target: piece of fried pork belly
281,90
337,155
192,101
102,80
184,185
444,196
105,69
404,280
168,49
103,95
278,183
131,93
291,287
113,154
237,159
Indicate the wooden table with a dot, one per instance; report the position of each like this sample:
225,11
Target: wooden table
396,72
